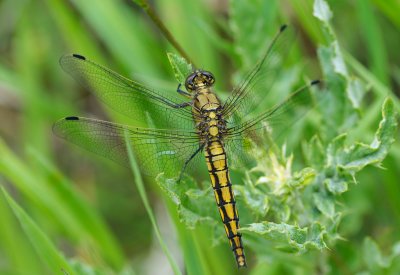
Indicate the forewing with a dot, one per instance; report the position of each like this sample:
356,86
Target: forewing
156,150
246,97
277,122
126,96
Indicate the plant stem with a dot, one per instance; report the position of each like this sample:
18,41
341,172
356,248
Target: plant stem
143,196
144,4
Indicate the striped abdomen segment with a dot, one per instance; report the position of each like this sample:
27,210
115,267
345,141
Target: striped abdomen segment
219,174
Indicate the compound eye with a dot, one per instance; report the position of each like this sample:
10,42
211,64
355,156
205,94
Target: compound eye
189,82
210,77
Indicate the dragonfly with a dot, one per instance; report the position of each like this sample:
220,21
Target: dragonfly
190,125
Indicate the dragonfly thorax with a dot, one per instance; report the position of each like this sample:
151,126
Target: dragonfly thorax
199,79
211,125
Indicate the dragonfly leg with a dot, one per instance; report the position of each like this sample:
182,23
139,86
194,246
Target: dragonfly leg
182,92
201,147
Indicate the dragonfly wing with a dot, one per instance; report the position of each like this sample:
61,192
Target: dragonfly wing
246,97
276,121
126,96
156,150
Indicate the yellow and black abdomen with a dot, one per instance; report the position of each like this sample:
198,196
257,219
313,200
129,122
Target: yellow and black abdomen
211,127
219,174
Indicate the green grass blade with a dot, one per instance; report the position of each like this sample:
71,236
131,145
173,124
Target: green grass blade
143,196
391,9
373,40
188,34
113,21
303,9
379,88
194,262
43,245
69,24
19,256
88,221
54,197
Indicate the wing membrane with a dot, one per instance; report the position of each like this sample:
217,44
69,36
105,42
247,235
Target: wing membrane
126,96
277,121
277,115
157,150
258,82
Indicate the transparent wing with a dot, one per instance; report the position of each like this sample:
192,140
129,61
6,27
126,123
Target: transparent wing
246,97
126,96
157,150
300,101
276,121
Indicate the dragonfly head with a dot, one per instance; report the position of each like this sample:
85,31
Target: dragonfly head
199,79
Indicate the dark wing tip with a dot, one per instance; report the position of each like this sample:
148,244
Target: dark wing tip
315,82
283,27
79,56
66,59
72,118
58,125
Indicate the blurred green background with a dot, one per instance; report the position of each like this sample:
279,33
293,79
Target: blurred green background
89,207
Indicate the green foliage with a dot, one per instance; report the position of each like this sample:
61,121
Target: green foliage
375,261
289,238
274,192
180,67
317,204
194,206
50,255
53,194
142,192
292,198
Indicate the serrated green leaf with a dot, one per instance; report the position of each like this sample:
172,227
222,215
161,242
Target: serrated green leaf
344,161
302,178
325,55
42,244
193,205
359,155
283,212
334,148
375,260
335,109
180,67
285,236
322,11
337,60
254,199
355,92
192,219
336,186
314,152
373,256
325,204
316,235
